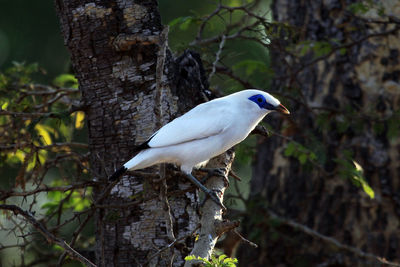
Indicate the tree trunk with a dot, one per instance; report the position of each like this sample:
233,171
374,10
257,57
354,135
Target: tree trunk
132,86
360,85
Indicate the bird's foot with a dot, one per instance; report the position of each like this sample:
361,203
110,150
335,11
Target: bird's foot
211,172
209,193
214,195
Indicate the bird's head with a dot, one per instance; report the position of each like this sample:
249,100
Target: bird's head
266,102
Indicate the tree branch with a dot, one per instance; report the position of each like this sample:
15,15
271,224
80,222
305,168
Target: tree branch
52,239
44,188
331,240
211,218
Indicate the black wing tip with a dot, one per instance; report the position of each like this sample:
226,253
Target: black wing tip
142,146
118,173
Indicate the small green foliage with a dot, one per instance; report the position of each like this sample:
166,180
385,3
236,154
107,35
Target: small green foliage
4,105
321,48
318,48
221,261
252,66
359,8
183,23
350,169
297,150
21,72
76,200
66,80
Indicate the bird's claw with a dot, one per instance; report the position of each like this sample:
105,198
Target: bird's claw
211,172
214,171
214,195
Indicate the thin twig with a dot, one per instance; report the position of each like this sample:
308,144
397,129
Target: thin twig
171,244
245,240
75,235
331,240
44,188
52,239
217,57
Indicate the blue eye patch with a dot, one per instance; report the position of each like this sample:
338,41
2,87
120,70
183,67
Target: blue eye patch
261,102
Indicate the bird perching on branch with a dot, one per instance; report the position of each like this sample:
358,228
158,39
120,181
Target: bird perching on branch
204,132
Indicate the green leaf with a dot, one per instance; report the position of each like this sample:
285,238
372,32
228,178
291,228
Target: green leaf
177,21
183,22
350,169
43,132
342,51
222,257
50,207
321,48
358,176
290,148
305,47
303,158
4,105
221,261
79,119
368,190
190,257
64,80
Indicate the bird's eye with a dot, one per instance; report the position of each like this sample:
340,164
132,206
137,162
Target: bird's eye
259,100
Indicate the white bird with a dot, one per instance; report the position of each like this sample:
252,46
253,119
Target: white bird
204,132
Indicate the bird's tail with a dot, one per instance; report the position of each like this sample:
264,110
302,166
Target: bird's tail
144,159
117,174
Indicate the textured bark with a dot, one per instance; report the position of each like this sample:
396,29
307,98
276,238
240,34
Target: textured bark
366,78
132,85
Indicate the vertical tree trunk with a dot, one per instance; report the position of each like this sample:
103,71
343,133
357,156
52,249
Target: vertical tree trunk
364,79
132,86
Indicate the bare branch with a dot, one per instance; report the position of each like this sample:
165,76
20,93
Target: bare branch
44,188
75,235
5,147
217,57
171,245
52,239
254,245
331,240
337,48
225,226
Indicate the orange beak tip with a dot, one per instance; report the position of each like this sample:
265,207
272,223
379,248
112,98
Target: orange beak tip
282,109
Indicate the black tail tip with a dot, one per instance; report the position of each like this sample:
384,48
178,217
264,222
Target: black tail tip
117,174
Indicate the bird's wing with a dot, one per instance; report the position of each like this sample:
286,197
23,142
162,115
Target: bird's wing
204,120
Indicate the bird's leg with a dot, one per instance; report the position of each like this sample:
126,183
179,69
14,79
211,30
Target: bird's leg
214,172
212,194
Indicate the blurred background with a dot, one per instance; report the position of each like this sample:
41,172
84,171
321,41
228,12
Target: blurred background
331,170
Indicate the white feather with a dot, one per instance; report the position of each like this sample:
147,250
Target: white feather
204,132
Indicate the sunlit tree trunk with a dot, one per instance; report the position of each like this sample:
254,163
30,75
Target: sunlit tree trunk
132,86
358,83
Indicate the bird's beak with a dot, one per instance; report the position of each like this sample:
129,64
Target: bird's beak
281,109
